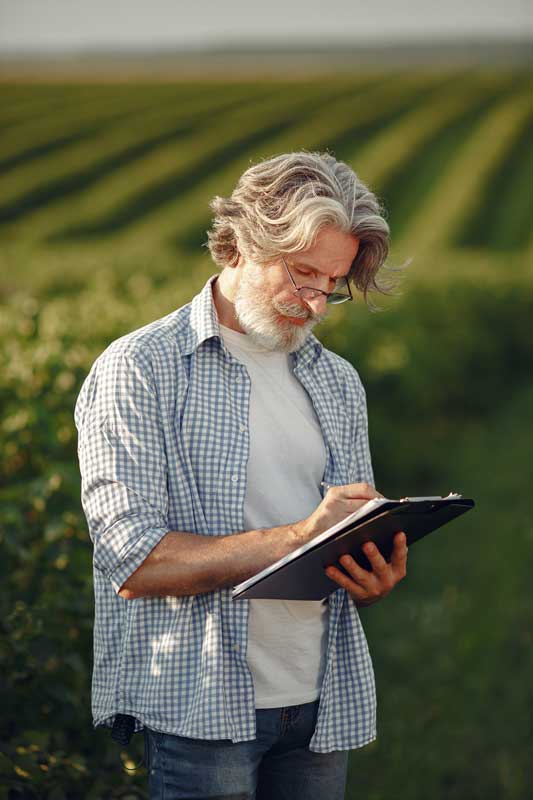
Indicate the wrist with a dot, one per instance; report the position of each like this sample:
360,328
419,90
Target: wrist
304,531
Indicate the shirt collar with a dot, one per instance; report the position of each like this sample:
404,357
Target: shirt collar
204,325
309,351
203,321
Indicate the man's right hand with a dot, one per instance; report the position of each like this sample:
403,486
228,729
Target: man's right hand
338,503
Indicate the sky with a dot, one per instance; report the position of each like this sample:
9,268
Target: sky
74,25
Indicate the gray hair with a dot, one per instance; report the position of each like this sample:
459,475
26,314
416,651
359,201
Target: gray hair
280,204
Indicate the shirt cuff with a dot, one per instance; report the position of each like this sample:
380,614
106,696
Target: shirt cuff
135,556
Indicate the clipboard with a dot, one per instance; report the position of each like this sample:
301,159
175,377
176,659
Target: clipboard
301,576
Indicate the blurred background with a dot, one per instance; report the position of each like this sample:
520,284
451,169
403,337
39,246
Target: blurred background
118,123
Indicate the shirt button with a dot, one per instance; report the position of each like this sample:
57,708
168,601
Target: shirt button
238,379
234,478
242,428
236,647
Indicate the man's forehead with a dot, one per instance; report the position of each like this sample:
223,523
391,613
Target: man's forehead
302,261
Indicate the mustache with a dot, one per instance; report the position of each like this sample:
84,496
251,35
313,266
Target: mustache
291,310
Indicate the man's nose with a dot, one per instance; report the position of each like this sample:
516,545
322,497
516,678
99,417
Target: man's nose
317,304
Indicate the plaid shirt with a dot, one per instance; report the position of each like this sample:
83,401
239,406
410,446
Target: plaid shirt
163,445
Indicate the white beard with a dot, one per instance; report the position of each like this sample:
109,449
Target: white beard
260,318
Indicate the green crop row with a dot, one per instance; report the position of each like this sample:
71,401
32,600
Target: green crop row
152,175
117,146
503,220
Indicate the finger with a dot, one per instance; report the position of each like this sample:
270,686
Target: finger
361,576
357,591
399,554
377,562
360,491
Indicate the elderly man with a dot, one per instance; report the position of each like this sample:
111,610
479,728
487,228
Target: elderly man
204,440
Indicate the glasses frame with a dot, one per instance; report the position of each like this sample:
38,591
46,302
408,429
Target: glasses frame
339,297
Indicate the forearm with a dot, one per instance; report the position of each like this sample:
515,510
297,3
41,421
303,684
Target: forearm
189,563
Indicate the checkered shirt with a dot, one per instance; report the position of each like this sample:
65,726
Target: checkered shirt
163,446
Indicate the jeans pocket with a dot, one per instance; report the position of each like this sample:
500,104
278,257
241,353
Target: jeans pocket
151,746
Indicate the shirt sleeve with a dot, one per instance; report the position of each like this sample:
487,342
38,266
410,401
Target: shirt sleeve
123,464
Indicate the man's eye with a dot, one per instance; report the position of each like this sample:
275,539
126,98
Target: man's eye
305,272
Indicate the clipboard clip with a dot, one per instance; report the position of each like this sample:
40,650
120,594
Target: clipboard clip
450,496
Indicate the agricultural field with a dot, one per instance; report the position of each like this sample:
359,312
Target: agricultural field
103,218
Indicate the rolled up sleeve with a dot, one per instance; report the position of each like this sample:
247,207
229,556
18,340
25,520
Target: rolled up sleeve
123,463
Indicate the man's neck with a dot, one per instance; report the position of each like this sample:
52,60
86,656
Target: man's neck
223,295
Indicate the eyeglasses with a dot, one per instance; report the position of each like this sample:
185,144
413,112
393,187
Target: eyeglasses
338,295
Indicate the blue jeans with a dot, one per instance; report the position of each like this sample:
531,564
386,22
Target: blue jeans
276,765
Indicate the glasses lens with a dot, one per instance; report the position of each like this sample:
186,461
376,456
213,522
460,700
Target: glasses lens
335,299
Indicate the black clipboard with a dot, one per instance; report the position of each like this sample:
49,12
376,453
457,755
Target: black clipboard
301,575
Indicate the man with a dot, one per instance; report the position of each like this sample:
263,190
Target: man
204,439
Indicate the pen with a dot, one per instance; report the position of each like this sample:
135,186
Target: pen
325,486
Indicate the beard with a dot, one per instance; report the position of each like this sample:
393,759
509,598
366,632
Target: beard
260,317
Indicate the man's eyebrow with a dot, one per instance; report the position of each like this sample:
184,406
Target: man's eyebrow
299,263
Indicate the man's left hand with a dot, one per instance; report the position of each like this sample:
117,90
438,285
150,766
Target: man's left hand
366,587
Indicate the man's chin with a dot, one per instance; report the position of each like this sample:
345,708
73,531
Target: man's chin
277,331
282,341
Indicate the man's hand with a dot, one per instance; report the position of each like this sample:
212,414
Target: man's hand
366,587
338,503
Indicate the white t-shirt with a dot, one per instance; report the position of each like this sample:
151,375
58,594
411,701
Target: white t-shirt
287,638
